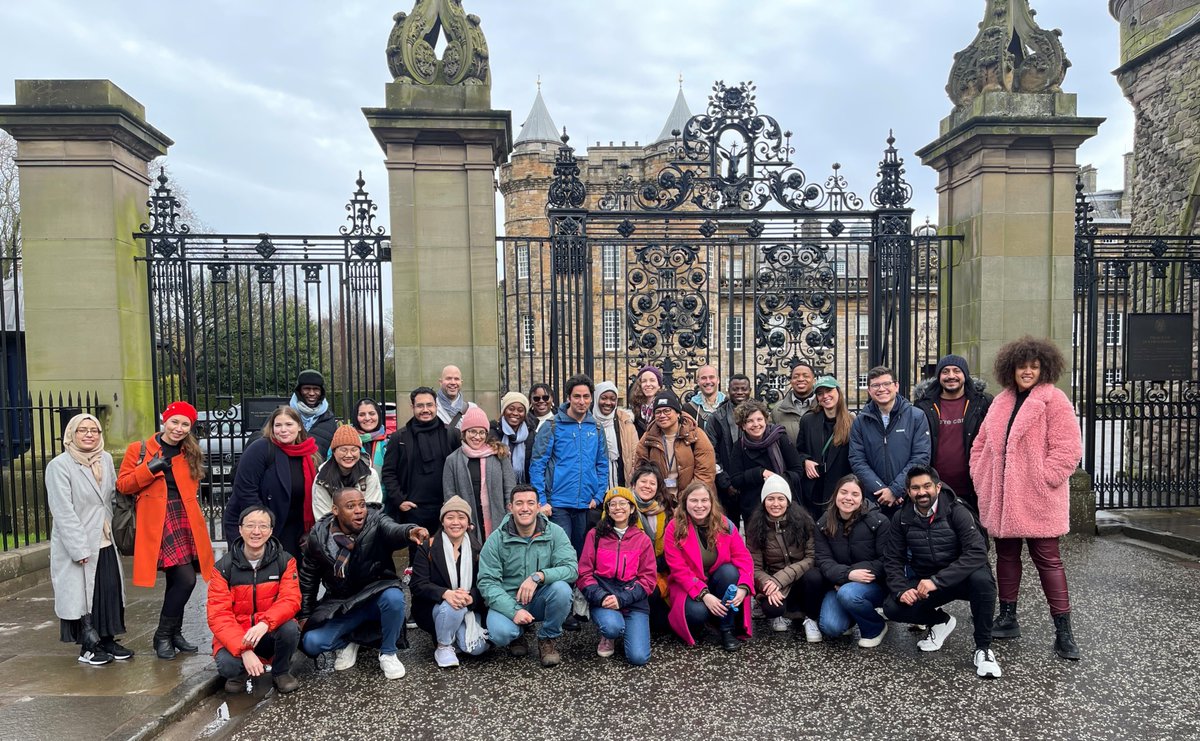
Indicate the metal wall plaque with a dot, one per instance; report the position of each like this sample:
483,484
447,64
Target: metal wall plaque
1159,347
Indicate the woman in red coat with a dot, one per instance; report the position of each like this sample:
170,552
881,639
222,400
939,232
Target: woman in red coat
163,472
1026,450
707,557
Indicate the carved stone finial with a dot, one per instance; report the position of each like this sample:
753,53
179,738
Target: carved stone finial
411,46
1010,53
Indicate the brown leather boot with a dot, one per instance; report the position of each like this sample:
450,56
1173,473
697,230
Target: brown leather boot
548,650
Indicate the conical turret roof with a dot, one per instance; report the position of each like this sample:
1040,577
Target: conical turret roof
538,126
680,113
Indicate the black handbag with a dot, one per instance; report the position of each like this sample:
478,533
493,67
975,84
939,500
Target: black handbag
124,521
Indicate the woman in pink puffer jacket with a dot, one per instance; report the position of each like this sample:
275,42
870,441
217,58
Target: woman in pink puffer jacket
1021,462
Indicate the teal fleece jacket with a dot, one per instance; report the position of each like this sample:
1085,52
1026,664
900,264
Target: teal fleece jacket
507,559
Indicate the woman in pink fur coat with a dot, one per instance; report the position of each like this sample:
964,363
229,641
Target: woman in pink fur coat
1023,456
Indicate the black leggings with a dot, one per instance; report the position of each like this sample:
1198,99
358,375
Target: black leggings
181,580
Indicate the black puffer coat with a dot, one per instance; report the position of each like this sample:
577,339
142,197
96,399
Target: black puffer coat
862,548
946,550
369,572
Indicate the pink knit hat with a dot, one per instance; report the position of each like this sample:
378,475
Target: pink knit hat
474,417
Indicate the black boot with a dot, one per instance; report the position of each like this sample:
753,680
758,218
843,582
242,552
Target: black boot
1006,622
164,646
179,642
1064,642
728,641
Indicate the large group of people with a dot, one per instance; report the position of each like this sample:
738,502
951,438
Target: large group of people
660,516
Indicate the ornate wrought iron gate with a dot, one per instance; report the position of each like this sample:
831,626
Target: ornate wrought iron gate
729,256
237,316
1135,383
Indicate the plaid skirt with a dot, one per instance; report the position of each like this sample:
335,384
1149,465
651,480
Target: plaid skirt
178,545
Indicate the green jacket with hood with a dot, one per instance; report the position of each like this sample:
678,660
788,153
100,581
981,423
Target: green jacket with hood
507,559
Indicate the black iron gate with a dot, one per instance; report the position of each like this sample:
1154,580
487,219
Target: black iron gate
1135,383
729,256
235,318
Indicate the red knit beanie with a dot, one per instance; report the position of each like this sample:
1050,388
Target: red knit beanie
180,409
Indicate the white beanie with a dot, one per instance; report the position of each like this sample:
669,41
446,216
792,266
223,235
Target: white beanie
776,484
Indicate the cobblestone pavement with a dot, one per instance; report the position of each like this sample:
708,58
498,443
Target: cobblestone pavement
1135,618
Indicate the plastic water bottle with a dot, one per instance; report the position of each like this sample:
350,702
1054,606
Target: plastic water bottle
731,594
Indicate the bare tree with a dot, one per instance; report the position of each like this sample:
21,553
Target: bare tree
10,203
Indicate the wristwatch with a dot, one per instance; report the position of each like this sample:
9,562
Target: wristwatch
537,577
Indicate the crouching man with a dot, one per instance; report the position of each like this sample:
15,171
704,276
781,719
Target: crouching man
253,597
349,551
526,570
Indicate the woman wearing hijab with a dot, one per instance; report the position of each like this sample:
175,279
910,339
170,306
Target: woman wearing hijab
89,597
277,471
516,432
369,422
163,473
620,433
641,397
479,471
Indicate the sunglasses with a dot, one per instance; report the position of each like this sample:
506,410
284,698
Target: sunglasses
540,398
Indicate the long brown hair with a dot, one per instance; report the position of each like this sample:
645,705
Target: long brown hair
842,419
683,521
190,449
268,431
833,516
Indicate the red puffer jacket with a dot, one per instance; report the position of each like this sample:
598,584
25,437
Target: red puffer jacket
240,596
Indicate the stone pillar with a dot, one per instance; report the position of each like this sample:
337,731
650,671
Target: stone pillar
442,144
82,153
1006,172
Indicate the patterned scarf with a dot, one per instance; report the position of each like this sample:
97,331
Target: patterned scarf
769,442
345,545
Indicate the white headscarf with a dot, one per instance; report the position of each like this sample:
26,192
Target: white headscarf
607,424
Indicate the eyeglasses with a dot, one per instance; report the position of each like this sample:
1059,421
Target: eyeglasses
87,430
663,410
622,503
475,432
882,386
255,528
540,398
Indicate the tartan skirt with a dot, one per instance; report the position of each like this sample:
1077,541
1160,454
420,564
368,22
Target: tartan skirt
178,545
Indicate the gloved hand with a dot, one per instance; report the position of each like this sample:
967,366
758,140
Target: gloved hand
158,464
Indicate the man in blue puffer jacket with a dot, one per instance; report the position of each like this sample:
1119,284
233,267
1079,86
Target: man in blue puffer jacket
889,436
570,463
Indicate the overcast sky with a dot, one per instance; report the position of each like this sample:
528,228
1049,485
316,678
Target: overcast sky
263,99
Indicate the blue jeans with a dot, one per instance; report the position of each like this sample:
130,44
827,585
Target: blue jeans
696,611
387,609
574,522
635,627
854,602
450,626
551,604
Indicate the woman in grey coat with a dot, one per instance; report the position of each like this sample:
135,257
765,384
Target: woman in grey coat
89,596
481,473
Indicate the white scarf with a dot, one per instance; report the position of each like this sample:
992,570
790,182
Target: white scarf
608,424
475,632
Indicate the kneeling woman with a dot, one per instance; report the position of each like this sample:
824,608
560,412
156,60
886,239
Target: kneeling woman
706,556
653,516
851,538
446,602
617,573
780,538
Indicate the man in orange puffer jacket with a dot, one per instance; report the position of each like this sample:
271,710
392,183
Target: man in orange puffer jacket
253,598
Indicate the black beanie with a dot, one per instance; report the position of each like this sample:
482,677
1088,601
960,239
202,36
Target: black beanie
310,377
957,360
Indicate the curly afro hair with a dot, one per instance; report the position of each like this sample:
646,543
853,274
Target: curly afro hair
1018,352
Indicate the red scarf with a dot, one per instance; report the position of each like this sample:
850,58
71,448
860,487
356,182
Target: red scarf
305,451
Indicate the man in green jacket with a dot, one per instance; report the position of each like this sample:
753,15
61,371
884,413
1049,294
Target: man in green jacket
526,570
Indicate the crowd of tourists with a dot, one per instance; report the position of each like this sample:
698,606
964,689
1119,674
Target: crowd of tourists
691,517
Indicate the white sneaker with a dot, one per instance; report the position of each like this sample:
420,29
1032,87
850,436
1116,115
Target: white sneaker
985,664
937,635
780,624
346,657
873,642
391,666
445,656
812,631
